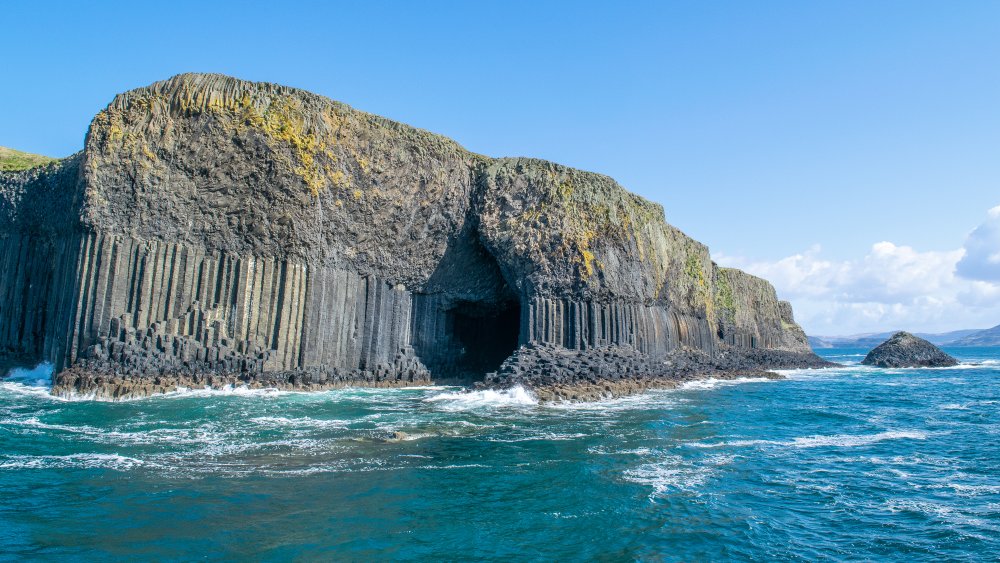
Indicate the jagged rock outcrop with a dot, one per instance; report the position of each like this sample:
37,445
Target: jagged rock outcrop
214,229
903,350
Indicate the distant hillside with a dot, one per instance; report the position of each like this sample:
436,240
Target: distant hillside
12,160
873,339
988,337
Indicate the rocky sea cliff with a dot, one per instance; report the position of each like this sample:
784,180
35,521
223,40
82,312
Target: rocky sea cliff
219,232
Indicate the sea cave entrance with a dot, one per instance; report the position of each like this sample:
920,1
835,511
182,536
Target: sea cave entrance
486,334
468,320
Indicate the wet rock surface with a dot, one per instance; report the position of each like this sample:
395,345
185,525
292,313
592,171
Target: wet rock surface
107,381
553,373
904,350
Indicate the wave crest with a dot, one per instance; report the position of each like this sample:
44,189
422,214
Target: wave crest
488,398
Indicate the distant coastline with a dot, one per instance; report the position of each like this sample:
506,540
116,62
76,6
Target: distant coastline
964,337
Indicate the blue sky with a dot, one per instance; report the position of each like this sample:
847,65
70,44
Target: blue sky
768,130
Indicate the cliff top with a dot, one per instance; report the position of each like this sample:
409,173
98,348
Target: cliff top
195,93
13,161
300,111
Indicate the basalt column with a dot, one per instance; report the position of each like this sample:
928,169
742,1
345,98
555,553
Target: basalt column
219,231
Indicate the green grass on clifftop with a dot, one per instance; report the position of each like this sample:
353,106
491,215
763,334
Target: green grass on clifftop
12,160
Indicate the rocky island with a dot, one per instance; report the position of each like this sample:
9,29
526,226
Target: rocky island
217,232
904,350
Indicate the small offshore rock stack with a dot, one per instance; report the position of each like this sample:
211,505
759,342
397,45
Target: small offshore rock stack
216,231
903,350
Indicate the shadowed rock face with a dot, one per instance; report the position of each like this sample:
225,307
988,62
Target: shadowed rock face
903,350
216,230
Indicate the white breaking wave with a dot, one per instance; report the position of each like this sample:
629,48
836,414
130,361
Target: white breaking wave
454,466
969,365
851,441
35,382
186,392
345,393
203,434
44,391
80,461
671,472
817,441
973,490
955,515
849,370
238,390
600,450
651,398
543,436
463,400
299,422
38,376
18,388
34,422
966,406
712,383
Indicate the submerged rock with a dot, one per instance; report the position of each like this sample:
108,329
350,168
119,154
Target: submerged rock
903,350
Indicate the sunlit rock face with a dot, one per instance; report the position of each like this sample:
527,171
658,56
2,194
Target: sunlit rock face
216,231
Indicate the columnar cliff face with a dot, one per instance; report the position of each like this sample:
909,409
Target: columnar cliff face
215,230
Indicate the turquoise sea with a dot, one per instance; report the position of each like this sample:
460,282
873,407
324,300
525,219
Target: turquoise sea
849,463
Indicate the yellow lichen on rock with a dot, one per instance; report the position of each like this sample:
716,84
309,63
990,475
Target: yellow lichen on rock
284,122
115,132
281,118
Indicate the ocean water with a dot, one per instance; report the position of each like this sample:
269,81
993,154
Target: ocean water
848,463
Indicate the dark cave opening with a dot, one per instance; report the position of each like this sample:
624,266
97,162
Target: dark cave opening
467,319
487,334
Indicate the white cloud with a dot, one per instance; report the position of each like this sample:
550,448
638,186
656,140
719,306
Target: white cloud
982,250
892,287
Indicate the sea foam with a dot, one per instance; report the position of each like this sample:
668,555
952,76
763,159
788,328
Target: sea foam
299,422
36,381
672,473
488,398
818,441
713,383
71,461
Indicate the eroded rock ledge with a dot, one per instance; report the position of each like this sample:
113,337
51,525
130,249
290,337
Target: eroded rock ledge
554,373
88,380
218,231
